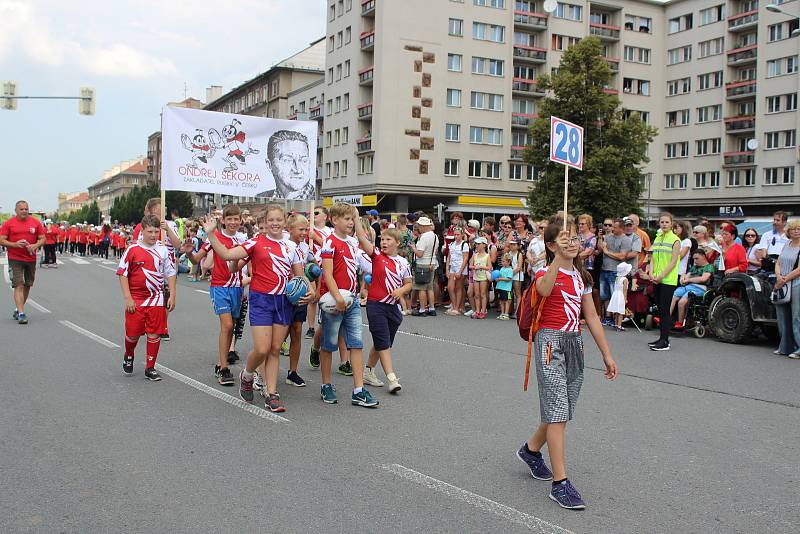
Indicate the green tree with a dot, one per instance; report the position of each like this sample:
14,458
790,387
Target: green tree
89,213
129,208
615,147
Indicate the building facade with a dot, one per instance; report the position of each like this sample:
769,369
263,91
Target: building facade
117,182
69,202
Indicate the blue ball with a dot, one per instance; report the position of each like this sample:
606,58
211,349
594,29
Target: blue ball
368,278
495,274
296,289
313,271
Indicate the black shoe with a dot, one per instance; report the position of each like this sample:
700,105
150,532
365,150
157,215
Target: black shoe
224,376
127,365
233,357
418,313
345,369
656,342
432,313
152,375
293,379
310,333
661,345
313,358
164,337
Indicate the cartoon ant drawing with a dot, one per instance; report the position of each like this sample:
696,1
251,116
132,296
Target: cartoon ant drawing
199,147
232,139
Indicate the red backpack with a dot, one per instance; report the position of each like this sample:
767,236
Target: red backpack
529,312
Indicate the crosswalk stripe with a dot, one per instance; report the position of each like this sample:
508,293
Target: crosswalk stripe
79,261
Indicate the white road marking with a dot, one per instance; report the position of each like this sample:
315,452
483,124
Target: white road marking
6,275
511,514
432,338
59,262
90,335
107,268
3,261
79,261
109,262
202,291
224,397
37,306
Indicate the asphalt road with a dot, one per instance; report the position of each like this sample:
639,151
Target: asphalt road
703,438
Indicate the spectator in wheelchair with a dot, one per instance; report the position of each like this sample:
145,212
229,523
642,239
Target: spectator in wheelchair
695,282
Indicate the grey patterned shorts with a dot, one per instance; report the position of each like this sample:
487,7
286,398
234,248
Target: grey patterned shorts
559,381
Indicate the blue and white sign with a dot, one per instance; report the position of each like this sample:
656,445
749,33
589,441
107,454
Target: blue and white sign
566,143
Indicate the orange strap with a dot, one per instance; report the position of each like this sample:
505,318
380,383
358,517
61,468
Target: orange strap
535,314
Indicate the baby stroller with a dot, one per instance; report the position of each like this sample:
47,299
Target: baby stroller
640,302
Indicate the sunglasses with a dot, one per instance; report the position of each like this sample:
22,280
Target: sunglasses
749,235
606,224
507,225
317,213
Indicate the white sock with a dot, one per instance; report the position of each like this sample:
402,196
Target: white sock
356,391
248,376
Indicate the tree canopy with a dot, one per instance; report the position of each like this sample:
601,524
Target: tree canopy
615,142
129,208
89,213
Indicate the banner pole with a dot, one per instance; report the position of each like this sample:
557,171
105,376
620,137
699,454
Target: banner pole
566,188
163,211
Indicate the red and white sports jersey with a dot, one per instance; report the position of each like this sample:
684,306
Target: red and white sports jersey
167,242
344,255
303,251
388,274
271,263
221,276
146,269
562,309
325,232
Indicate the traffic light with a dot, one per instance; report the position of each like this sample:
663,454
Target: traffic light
86,103
9,89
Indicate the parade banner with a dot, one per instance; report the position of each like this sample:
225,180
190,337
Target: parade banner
239,155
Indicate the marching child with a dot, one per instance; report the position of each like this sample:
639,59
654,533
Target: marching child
391,280
144,267
616,305
504,287
481,266
566,287
272,259
298,235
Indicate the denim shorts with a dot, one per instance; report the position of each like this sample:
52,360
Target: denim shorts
268,310
607,279
384,320
300,314
347,324
227,300
684,291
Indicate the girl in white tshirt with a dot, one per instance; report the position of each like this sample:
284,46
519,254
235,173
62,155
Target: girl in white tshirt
457,265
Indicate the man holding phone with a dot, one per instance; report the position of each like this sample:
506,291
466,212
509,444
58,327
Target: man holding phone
22,235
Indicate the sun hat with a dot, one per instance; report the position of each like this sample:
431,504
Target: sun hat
424,221
623,269
481,239
474,224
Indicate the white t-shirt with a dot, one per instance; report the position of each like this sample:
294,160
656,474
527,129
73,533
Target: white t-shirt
457,253
684,265
773,242
536,248
427,244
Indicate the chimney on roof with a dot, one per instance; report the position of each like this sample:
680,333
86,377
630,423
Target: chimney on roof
213,92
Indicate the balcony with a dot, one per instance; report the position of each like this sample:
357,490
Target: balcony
606,32
368,41
368,8
364,145
522,120
530,54
517,152
733,159
610,91
743,21
526,87
315,113
365,112
740,90
613,64
741,124
365,76
530,20
743,55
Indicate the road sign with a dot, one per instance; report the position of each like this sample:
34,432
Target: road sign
566,143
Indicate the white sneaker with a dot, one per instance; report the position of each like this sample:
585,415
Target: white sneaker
778,352
469,313
258,381
371,379
794,356
394,384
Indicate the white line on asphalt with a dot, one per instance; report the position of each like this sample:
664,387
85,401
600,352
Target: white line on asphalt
432,338
6,275
90,335
230,399
3,261
107,268
38,306
79,261
202,291
59,262
506,512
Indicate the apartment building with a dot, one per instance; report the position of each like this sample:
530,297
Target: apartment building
306,103
117,182
429,102
69,202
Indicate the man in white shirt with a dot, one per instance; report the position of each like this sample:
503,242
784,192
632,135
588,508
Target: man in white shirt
536,254
427,263
774,240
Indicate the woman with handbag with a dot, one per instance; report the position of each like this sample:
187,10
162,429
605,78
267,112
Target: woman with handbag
786,293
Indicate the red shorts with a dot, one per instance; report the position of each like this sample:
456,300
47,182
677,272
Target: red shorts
146,320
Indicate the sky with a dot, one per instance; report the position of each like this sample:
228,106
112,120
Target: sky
138,55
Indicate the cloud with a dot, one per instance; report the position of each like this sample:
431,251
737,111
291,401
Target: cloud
120,60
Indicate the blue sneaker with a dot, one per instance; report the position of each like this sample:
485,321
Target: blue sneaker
328,394
16,315
539,469
567,496
22,318
364,399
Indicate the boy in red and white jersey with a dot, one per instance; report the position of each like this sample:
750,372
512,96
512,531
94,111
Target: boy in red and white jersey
317,234
142,271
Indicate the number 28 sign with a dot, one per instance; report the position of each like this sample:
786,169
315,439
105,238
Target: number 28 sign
566,143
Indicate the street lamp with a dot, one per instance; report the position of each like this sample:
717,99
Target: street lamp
772,8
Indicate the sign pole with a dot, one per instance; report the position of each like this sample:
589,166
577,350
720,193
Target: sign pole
566,189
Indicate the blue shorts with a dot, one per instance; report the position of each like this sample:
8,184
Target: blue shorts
607,279
384,320
227,300
300,314
684,291
268,310
348,324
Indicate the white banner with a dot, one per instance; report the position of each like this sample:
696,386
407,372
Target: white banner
239,155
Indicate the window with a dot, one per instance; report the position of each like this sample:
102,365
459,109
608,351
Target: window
634,54
454,98
451,167
348,35
346,104
526,73
644,116
791,102
569,12
707,147
338,72
489,101
347,68
525,107
524,39
781,66
498,4
675,181
706,180
774,104
331,13
329,107
331,43
454,62
365,164
677,118
476,134
327,139
339,39
455,27
343,168
779,175
712,47
709,113
781,139
489,67
340,10
679,87
488,32
520,139
782,30
682,23
327,170
330,75
494,136
677,150
475,168
712,14
679,55
337,137
562,42
338,104
493,169
335,169
636,87
452,132
742,177
638,24
709,80
345,135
